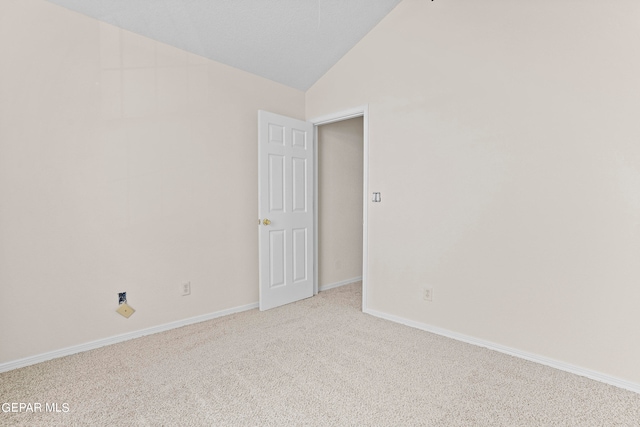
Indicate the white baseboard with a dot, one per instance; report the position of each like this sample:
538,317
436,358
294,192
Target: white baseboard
337,284
32,360
594,375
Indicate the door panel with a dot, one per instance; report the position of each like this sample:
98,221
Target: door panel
285,189
276,258
276,183
300,266
299,167
300,139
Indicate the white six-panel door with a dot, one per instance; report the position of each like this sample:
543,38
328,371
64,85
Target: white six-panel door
285,193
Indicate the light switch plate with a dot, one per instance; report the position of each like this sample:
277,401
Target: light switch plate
125,310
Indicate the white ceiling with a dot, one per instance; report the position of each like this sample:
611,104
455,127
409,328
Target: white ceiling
293,42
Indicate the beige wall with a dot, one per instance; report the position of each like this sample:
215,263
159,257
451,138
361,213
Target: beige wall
340,160
505,140
125,165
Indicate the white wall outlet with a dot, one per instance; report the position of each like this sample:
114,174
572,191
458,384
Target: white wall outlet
427,294
185,288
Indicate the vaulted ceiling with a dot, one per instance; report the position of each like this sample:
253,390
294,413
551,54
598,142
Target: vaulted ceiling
293,42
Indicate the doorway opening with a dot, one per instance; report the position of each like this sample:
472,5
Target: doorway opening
340,188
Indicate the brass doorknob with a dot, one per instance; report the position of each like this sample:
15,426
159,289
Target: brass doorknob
266,222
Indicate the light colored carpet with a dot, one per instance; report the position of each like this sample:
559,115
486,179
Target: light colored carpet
317,362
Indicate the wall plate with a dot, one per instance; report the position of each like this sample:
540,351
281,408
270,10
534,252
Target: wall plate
125,310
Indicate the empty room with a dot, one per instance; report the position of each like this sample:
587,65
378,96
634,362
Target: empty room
320,212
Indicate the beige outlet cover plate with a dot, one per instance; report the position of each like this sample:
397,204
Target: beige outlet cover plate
126,310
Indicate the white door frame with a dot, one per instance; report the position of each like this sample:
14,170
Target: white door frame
362,111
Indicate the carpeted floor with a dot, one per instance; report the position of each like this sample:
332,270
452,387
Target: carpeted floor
317,362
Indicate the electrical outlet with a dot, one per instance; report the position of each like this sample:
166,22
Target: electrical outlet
186,289
427,294
122,297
